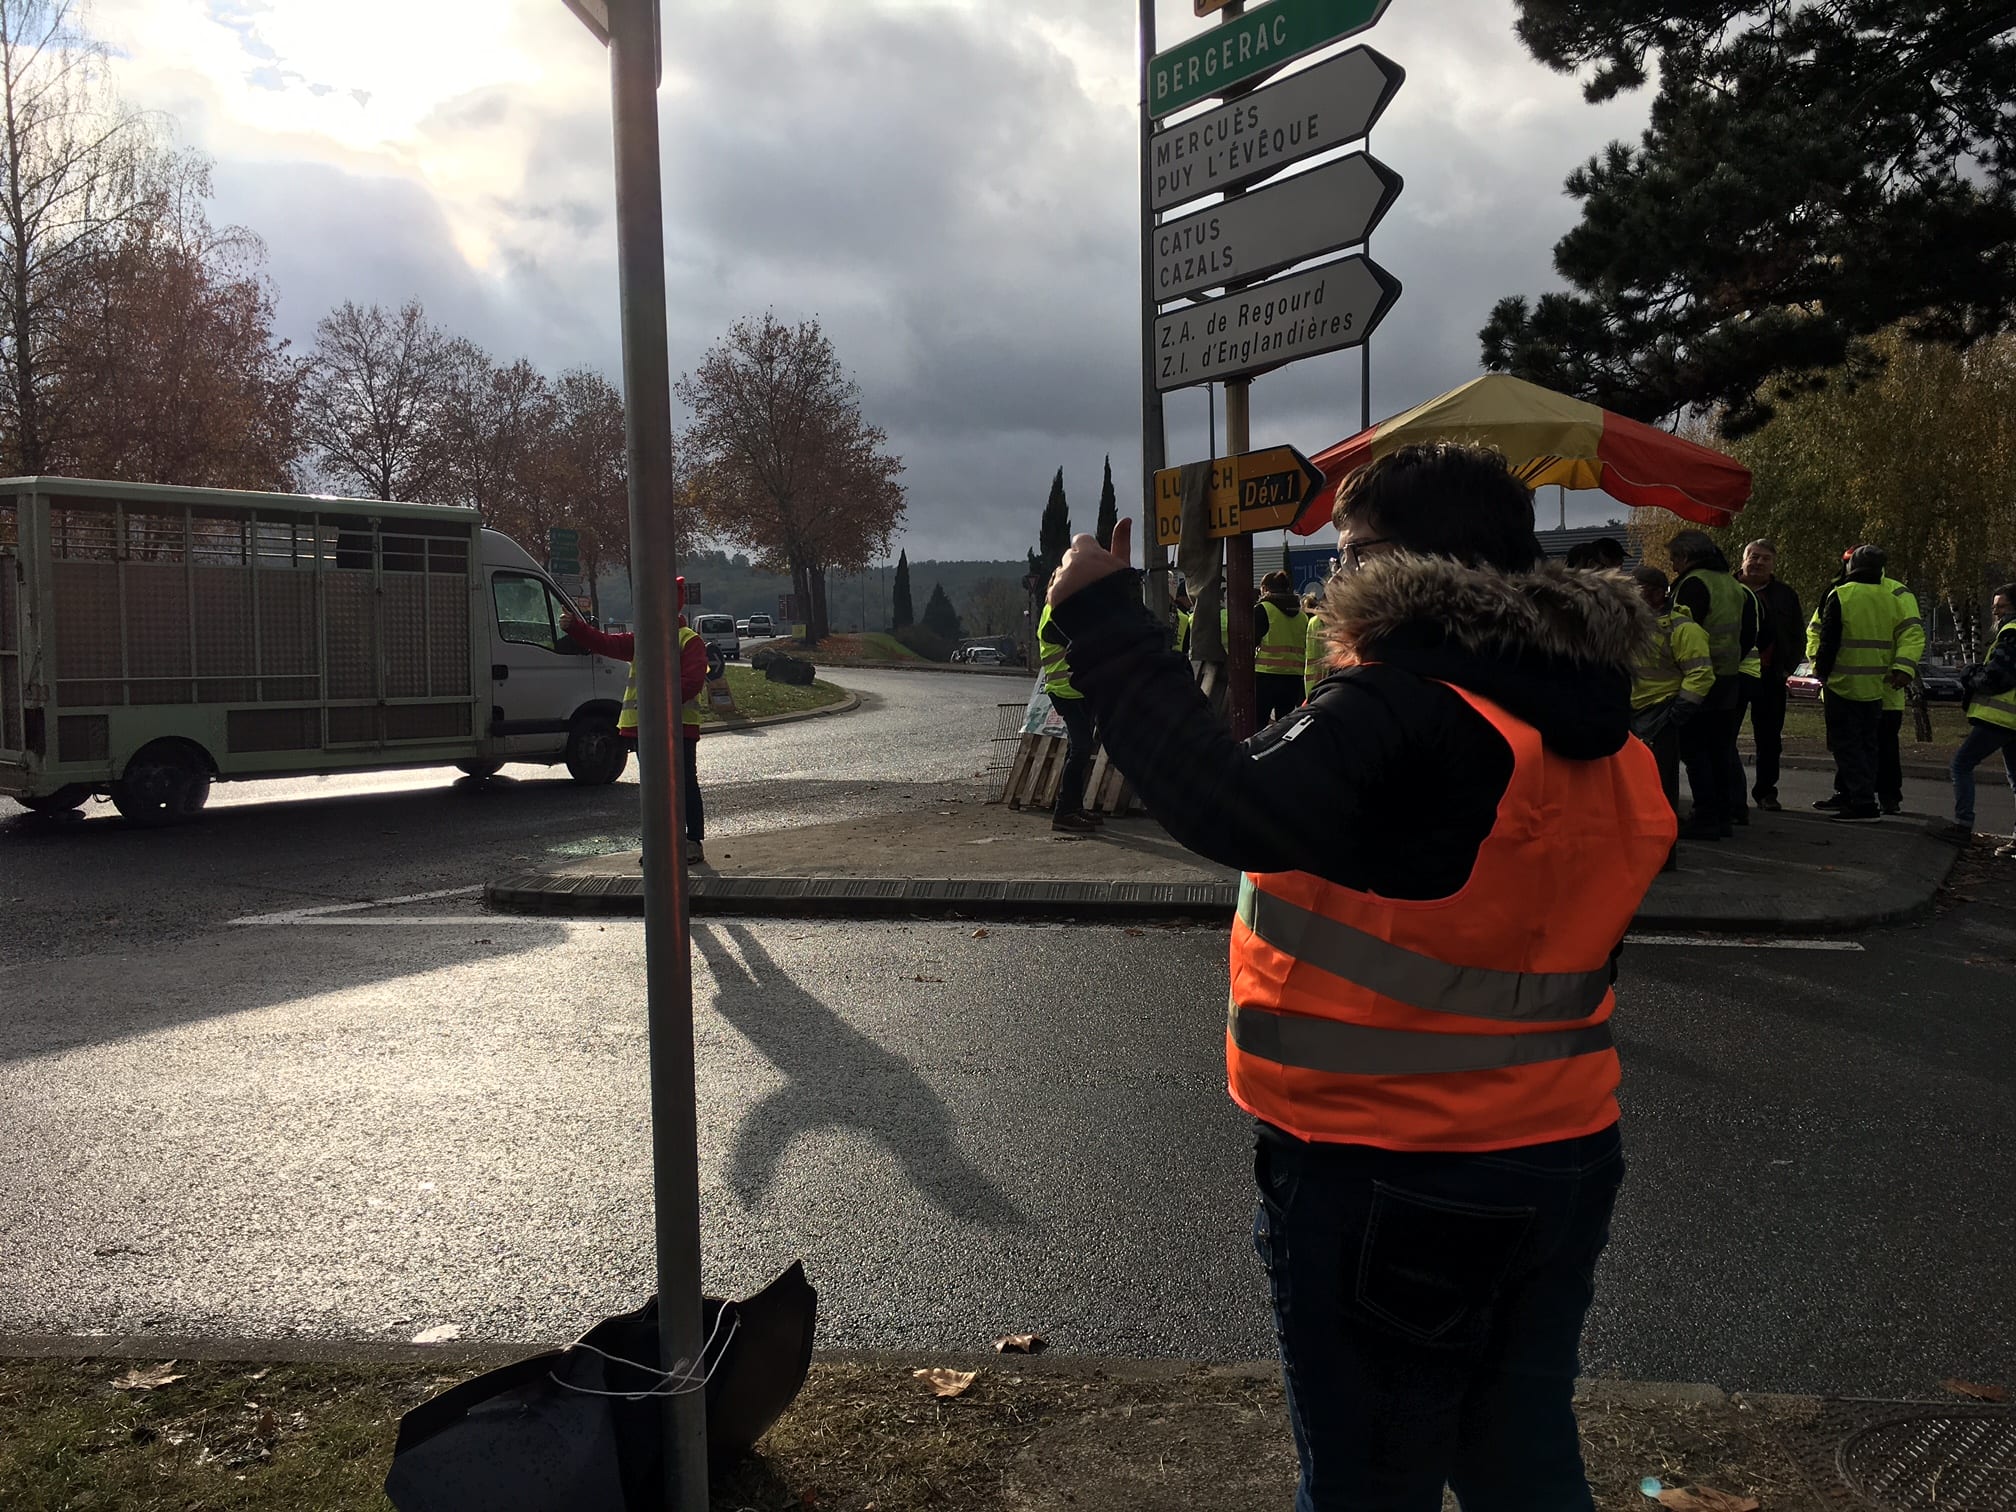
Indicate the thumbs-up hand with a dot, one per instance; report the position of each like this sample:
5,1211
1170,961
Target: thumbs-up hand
1087,562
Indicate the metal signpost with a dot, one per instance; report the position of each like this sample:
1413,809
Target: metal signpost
630,28
1260,321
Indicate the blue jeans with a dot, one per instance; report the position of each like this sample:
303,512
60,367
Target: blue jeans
1983,741
1429,1310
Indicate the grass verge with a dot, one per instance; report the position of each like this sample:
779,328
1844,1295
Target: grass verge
756,695
242,1437
874,645
1806,733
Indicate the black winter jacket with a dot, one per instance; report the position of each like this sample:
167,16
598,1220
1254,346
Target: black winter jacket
1385,781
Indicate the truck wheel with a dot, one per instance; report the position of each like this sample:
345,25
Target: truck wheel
596,754
61,801
479,769
165,783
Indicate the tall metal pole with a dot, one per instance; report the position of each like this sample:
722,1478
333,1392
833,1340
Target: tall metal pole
1154,557
1365,383
1242,705
647,444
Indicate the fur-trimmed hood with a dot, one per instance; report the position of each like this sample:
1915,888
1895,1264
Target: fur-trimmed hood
1553,646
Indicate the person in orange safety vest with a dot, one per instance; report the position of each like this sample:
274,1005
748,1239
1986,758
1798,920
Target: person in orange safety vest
1442,849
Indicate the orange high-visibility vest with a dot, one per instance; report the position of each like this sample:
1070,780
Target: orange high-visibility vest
1479,1021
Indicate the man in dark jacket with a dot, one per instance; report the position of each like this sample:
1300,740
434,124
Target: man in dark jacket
1430,1217
1780,639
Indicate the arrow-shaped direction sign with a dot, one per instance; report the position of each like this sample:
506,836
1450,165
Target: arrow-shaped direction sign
1257,490
1273,228
1335,102
1280,321
1256,43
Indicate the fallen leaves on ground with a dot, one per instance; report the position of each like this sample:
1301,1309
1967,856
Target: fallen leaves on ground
1706,1499
1028,1343
440,1334
947,1383
142,1378
1134,934
926,979
980,934
1978,1390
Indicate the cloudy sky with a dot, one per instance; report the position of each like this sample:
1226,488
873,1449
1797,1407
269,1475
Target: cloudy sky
948,185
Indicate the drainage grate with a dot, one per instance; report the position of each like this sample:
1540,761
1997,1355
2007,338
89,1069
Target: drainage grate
1910,1457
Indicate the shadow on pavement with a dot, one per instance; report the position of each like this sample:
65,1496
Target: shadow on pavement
835,1077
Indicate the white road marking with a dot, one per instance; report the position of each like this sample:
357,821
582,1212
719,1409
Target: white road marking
1725,943
305,915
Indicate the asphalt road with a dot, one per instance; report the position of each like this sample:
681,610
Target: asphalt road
240,1107
82,885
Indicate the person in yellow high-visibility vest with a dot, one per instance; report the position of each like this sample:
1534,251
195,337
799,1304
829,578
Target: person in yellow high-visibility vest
1280,648
1671,681
1990,690
1907,649
1708,591
1068,814
1851,641
1315,646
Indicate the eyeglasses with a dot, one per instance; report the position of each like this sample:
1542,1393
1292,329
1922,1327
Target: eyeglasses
1354,552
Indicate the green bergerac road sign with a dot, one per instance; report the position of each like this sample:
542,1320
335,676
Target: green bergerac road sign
1257,42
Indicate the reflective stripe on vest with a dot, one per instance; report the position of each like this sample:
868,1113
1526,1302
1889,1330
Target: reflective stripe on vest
1420,981
1725,617
1283,649
1050,651
1907,640
1663,673
1752,664
1479,1021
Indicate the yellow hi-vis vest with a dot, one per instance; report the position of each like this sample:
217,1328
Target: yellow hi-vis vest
626,722
1996,708
1050,651
1676,665
1868,633
1907,639
1725,618
1752,664
1181,632
1284,648
1315,655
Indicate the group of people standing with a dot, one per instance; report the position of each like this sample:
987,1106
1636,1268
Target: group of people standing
1725,648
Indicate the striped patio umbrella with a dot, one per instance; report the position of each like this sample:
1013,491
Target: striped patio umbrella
1550,438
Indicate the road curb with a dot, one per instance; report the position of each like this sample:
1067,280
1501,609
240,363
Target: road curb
846,705
1025,673
869,897
487,1354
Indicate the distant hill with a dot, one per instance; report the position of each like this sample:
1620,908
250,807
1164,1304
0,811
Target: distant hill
854,601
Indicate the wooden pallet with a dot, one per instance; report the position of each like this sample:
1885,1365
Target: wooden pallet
1038,769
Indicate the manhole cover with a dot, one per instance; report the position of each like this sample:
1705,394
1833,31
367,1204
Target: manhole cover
1934,1462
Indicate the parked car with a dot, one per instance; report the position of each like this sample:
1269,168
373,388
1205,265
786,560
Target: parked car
1802,683
985,656
742,627
760,627
718,631
1941,683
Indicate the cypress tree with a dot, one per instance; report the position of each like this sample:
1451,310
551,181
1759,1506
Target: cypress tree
1109,507
939,615
1053,539
902,612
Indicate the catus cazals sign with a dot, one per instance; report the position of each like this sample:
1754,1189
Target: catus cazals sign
1234,145
1280,321
1250,45
1252,235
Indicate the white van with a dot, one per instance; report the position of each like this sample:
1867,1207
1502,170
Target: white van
154,639
718,631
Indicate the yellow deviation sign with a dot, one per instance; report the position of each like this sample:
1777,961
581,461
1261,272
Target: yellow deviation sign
1254,491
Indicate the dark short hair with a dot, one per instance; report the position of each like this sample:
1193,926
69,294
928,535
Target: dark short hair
1690,546
1277,581
1447,499
2007,590
1649,576
1764,541
1608,549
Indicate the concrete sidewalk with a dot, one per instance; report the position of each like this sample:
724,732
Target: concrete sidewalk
1794,871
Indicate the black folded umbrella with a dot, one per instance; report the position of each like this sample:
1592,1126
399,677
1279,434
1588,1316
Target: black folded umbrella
580,1429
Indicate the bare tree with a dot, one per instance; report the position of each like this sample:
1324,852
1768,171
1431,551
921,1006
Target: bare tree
373,399
781,461
494,425
76,167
